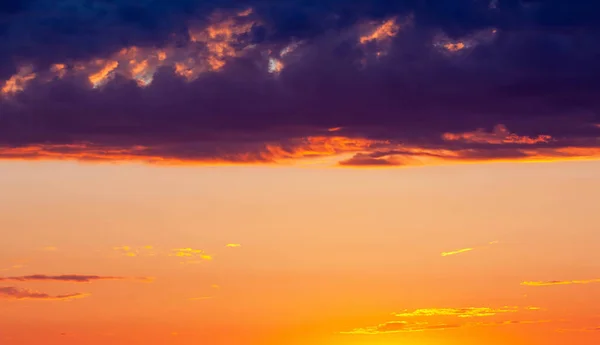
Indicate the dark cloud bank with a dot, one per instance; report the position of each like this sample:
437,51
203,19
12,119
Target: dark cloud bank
453,80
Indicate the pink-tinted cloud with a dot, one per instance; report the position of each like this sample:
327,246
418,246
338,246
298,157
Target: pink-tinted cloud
10,292
73,278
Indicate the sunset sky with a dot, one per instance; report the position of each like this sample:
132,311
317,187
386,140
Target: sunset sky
299,172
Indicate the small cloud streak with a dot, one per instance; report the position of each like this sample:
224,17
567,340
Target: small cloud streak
73,278
11,292
401,327
462,312
459,251
560,282
201,298
233,245
404,326
465,250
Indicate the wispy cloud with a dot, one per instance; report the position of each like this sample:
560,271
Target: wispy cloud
401,327
587,329
73,278
10,292
560,282
404,326
13,267
233,245
135,251
463,312
458,251
201,298
464,250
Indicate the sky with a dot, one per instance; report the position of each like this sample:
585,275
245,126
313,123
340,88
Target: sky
299,172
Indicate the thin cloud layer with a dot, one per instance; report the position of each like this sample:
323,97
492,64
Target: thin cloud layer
10,292
368,83
560,282
465,250
404,326
73,278
401,327
463,312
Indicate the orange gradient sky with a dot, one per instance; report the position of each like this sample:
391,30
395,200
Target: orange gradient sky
472,254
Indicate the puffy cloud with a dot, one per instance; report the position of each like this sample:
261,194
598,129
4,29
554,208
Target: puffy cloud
230,82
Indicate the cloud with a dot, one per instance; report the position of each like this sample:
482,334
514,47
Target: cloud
462,312
400,327
134,252
73,278
10,292
233,245
191,253
201,298
404,326
13,267
255,82
464,250
588,329
459,251
559,282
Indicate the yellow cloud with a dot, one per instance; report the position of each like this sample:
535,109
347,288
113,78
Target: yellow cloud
400,327
404,326
233,245
190,252
560,282
459,251
462,312
134,252
464,250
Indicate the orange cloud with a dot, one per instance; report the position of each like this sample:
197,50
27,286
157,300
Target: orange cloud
560,282
386,30
10,292
18,81
209,49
